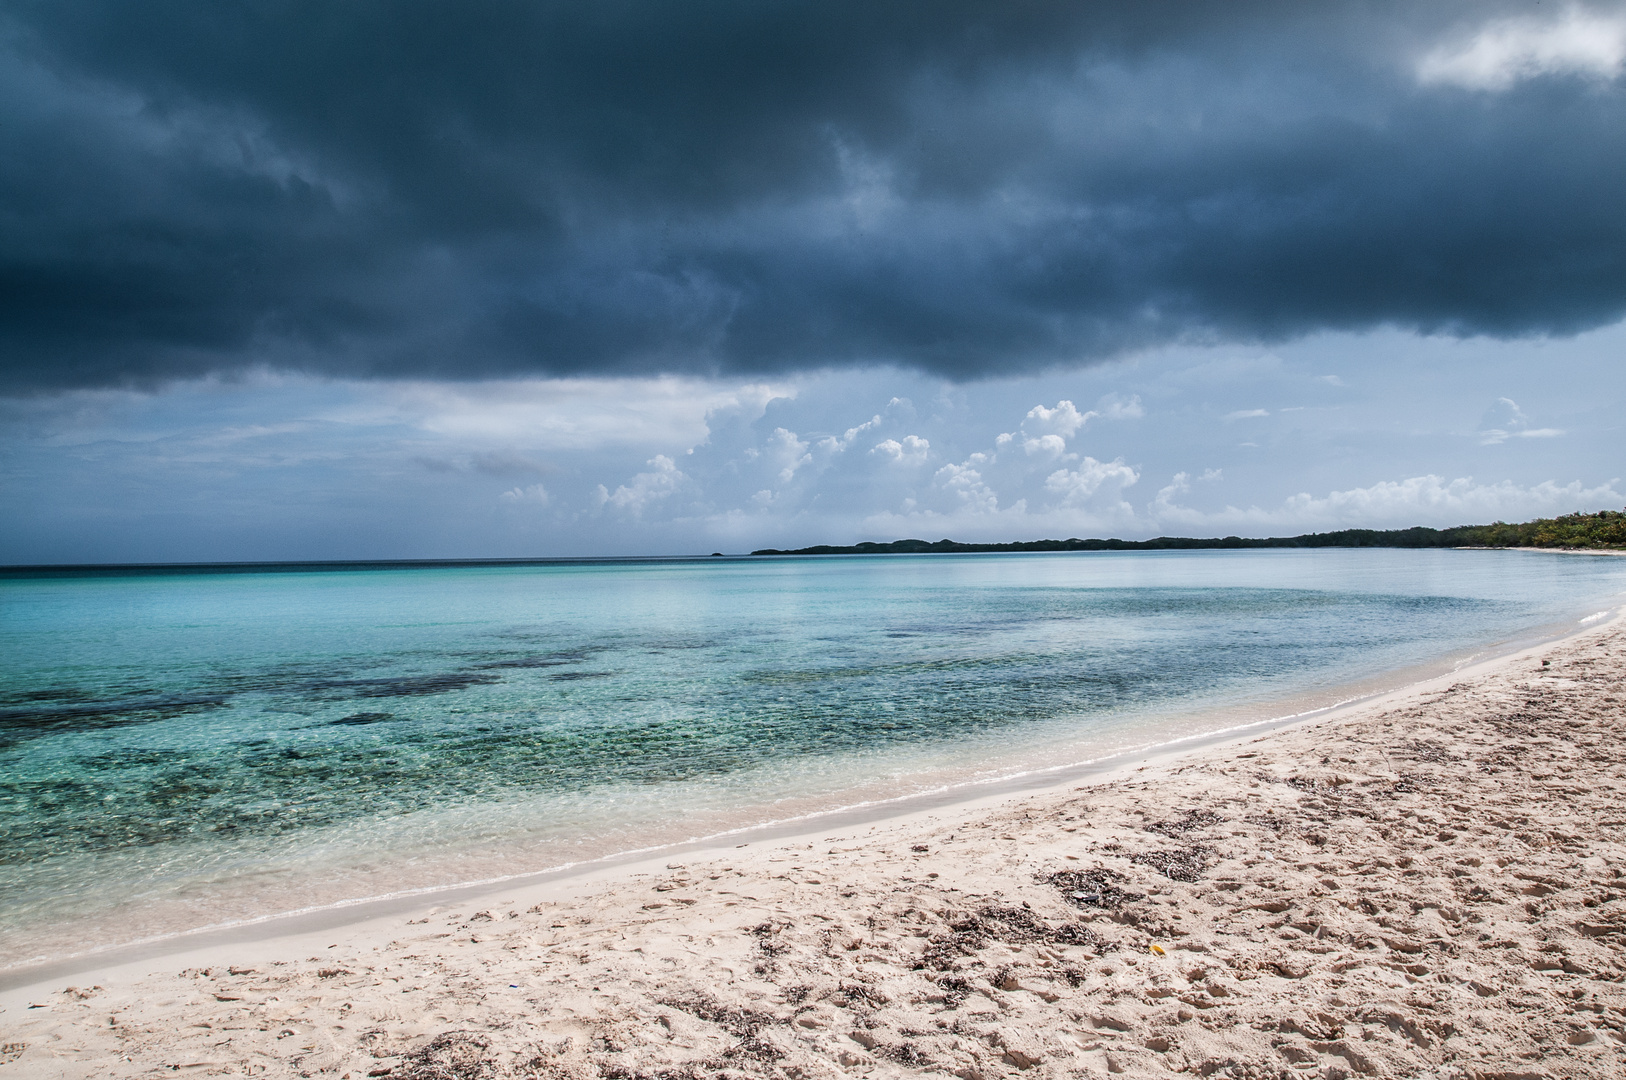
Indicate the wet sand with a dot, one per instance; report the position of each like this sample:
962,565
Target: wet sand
1430,884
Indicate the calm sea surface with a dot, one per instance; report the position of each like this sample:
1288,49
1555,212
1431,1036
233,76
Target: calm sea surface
188,749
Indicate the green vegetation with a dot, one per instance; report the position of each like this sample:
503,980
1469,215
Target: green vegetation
1606,529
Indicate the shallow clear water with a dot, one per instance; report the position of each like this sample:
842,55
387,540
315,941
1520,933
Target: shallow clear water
185,749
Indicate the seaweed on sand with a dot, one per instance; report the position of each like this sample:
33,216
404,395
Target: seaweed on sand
1177,864
744,1024
1011,925
451,1055
1091,888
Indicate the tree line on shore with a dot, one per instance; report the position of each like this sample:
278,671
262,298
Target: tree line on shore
1605,529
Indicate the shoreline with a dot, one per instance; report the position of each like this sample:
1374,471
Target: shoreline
610,971
149,569
1237,722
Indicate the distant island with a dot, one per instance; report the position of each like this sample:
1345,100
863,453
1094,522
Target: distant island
1603,530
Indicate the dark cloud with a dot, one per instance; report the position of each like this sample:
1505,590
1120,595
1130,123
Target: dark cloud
496,463
475,189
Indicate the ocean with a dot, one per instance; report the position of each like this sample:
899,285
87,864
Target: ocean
197,748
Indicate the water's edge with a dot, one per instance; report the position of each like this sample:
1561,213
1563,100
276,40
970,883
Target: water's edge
1229,728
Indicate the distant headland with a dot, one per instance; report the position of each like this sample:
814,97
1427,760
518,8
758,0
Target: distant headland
1605,530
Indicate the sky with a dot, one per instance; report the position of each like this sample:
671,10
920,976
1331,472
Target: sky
410,279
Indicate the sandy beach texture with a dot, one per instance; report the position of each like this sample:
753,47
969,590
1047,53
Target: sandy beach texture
1430,885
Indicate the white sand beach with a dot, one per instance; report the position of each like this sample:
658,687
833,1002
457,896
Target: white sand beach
1432,883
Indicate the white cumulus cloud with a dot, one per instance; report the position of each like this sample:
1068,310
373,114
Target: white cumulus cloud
1063,420
911,451
1077,485
1504,420
647,487
833,444
785,449
535,493
1179,484
1052,446
966,482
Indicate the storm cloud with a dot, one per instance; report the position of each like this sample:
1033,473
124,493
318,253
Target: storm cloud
425,189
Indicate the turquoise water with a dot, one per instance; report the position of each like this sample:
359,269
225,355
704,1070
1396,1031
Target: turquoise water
185,749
